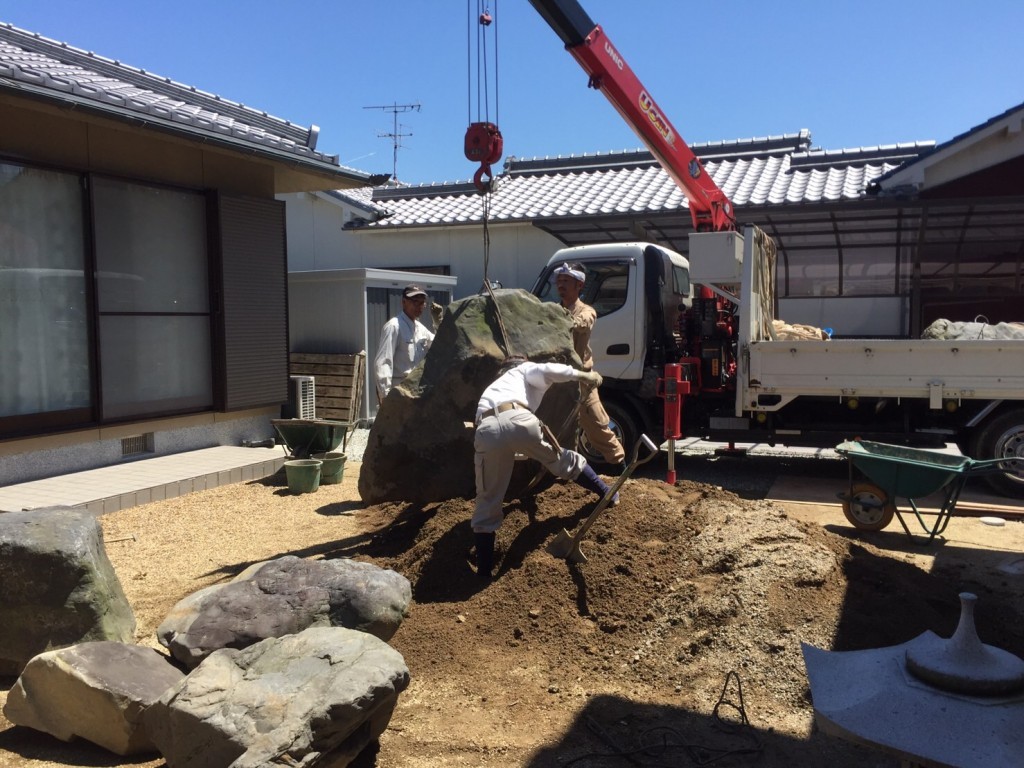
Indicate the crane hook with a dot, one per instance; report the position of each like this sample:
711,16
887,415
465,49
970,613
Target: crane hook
486,19
484,144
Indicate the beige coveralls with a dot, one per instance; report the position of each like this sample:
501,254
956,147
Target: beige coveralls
593,417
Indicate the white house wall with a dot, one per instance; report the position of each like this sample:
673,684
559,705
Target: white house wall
314,231
517,253
317,241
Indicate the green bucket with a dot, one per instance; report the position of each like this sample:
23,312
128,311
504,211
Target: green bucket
333,470
303,475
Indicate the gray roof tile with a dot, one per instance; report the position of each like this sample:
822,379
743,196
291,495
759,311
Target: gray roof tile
774,170
51,69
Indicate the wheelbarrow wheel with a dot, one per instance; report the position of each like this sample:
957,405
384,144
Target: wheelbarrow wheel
868,507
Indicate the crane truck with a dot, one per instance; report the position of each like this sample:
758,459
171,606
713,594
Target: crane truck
710,316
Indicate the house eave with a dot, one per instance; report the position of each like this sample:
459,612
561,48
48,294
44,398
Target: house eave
332,175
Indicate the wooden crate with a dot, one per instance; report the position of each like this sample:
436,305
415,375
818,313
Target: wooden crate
338,382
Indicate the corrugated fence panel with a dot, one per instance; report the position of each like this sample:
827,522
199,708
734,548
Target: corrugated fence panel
255,302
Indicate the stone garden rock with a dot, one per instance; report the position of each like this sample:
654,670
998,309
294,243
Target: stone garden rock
286,596
316,698
96,691
57,586
419,448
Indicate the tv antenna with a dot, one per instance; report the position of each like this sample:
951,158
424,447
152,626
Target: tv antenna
396,135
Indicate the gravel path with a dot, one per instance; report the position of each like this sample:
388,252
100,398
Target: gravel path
356,444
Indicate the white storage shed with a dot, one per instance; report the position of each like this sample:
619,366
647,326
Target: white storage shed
341,311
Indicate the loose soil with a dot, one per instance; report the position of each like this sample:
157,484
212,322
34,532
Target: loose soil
677,643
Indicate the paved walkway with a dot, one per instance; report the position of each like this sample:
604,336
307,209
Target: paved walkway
109,489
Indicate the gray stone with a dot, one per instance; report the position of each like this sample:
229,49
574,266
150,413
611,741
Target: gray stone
282,597
870,697
316,698
419,448
95,691
57,587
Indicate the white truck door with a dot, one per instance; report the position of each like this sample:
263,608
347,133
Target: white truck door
614,290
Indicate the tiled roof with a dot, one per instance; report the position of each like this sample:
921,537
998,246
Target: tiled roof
33,64
359,197
774,170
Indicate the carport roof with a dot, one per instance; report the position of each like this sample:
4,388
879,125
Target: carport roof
38,67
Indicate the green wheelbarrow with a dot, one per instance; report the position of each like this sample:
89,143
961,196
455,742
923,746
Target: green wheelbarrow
304,437
885,472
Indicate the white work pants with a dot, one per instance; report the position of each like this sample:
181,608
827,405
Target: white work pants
498,439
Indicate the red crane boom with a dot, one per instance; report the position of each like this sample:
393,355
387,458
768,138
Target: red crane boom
608,71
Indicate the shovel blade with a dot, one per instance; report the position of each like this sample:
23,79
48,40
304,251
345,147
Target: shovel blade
561,545
576,554
567,548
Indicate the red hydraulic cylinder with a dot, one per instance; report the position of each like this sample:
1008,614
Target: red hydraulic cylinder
672,388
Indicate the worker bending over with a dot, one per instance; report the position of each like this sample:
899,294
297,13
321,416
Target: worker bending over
569,281
506,425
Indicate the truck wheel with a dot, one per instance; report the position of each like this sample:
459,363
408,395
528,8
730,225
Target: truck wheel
622,422
868,507
1003,437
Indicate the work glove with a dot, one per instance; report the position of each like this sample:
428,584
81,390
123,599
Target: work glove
437,313
593,378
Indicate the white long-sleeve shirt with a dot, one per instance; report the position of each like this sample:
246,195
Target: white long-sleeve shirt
403,344
526,383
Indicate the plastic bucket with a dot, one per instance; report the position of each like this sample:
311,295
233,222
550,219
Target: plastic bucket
303,475
333,469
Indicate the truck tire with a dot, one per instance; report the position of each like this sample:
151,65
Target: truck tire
625,426
1003,437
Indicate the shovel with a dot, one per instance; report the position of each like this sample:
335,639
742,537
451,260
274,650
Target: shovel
568,547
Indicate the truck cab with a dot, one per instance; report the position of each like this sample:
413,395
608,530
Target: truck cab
637,290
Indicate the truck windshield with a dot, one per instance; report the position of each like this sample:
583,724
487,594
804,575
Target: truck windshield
605,289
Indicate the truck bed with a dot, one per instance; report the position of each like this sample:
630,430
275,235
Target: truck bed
920,368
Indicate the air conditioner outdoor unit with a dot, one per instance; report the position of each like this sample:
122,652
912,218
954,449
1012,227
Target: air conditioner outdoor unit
302,397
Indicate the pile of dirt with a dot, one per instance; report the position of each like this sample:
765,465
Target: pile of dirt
692,602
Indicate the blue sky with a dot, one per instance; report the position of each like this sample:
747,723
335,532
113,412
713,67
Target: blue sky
853,73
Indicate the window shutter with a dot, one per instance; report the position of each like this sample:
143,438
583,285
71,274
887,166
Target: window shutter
253,310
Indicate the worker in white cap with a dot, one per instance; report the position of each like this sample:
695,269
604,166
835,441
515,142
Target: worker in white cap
569,282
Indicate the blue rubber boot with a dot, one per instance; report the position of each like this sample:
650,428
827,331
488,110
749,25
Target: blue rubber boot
588,479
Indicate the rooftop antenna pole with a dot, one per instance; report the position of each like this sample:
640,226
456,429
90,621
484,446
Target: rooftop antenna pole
396,136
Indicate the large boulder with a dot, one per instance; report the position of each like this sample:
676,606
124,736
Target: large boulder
94,691
316,698
282,597
419,448
57,586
